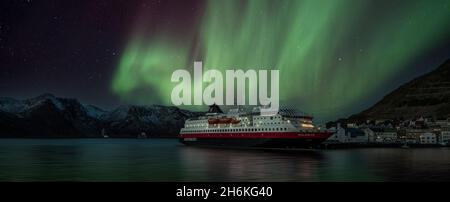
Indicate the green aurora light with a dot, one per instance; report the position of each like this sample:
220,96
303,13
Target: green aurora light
331,54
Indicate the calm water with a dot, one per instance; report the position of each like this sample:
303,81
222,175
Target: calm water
166,160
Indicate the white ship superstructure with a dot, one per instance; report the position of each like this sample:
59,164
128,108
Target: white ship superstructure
240,128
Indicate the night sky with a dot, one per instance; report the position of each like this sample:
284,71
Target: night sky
335,57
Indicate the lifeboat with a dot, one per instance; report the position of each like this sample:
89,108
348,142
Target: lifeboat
225,120
213,121
235,121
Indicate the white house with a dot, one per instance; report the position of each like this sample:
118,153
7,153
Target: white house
339,135
348,135
428,138
370,134
442,123
384,135
445,136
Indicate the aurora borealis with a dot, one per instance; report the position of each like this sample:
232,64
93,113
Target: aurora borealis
335,57
332,55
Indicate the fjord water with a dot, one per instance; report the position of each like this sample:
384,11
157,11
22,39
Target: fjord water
167,160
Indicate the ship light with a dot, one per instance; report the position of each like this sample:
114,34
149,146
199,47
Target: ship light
307,125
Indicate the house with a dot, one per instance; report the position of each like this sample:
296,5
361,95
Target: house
348,135
443,123
339,136
356,135
384,135
370,134
428,138
445,136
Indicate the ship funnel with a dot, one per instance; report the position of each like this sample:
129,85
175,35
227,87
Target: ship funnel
215,109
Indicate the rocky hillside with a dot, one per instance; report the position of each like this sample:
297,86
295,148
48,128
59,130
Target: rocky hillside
53,117
427,95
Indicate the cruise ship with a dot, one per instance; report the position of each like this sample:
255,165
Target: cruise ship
288,129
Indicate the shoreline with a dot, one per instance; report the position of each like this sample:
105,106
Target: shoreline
329,146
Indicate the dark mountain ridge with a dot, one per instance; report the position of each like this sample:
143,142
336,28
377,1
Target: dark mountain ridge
425,96
54,117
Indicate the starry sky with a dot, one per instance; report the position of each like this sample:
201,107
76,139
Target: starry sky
335,57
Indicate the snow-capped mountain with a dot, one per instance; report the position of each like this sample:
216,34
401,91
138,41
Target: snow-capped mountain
153,120
50,116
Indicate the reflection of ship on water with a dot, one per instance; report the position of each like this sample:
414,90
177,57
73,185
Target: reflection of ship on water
286,129
251,165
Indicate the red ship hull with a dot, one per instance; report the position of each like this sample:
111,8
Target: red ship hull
256,140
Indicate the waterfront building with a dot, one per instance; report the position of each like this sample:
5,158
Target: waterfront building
348,135
428,138
443,123
385,135
339,136
370,134
445,136
356,135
